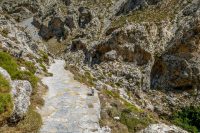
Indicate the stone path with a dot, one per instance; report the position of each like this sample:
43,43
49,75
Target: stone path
67,107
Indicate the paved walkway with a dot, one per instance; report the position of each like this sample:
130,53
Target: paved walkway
67,107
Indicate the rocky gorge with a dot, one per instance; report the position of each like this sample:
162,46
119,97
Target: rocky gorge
141,56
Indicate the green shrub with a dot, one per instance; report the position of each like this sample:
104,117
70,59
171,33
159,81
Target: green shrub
133,122
188,118
4,85
12,66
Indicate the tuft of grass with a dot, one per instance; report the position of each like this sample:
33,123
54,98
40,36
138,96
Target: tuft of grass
6,106
44,57
86,78
31,123
27,64
188,118
112,93
4,85
5,103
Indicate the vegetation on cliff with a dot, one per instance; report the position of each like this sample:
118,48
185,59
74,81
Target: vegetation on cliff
188,118
131,119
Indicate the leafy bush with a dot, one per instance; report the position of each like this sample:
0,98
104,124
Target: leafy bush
188,118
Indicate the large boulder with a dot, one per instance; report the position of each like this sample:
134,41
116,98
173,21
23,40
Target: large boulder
162,128
21,96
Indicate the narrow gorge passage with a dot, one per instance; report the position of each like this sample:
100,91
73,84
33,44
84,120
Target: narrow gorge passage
67,107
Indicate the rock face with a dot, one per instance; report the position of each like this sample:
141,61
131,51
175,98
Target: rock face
84,17
15,40
132,5
20,10
56,26
21,96
154,60
179,64
162,128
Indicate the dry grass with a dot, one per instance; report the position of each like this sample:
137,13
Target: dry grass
163,12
